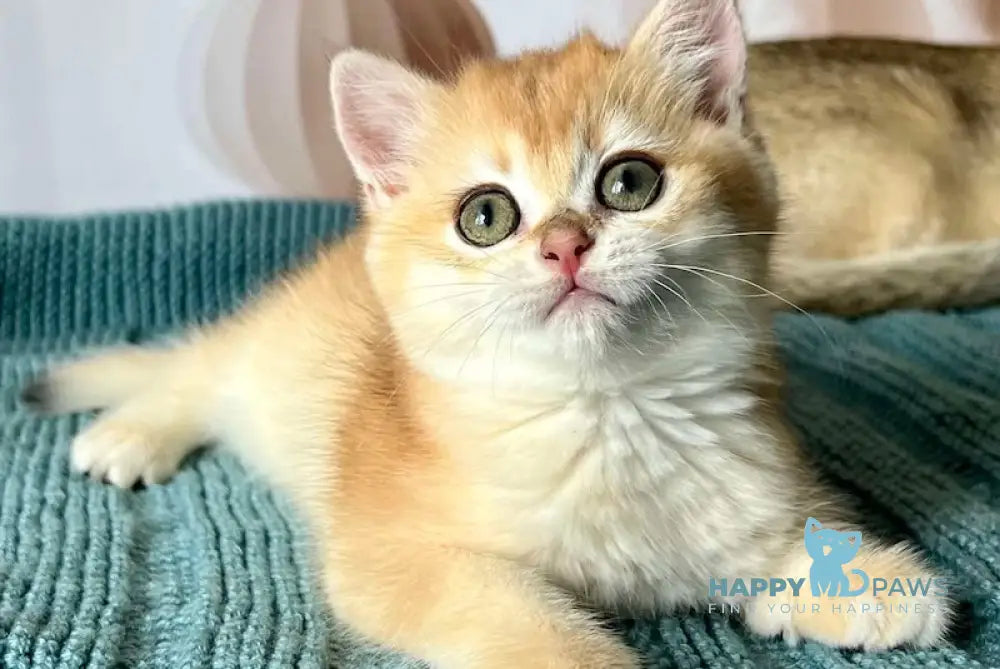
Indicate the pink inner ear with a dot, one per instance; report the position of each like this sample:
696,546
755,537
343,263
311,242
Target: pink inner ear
373,137
377,108
725,83
699,40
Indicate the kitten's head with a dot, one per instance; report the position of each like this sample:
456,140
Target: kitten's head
573,204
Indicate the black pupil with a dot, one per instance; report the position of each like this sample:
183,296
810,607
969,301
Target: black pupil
625,183
484,217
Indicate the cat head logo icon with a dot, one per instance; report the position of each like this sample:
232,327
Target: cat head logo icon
830,550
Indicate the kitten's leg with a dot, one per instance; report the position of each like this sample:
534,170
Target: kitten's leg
106,379
462,610
156,400
869,620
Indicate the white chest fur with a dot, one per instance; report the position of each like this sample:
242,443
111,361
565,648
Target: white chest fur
636,494
646,508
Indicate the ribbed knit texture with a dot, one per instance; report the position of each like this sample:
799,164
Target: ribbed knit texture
211,569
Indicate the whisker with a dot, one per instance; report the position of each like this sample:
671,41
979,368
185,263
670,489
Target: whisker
510,346
423,50
664,244
454,323
620,337
812,319
653,192
732,325
726,235
710,279
490,320
496,354
658,299
427,303
422,305
682,298
478,268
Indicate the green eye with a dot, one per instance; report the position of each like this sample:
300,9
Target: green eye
629,184
488,217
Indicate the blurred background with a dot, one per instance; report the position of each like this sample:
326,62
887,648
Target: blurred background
126,104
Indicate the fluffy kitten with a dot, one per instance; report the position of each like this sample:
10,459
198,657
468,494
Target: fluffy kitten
537,375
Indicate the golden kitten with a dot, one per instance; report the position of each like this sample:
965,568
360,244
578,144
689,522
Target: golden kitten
536,380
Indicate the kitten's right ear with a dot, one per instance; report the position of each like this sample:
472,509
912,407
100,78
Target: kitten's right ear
378,107
699,44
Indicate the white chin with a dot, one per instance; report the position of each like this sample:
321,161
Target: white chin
585,325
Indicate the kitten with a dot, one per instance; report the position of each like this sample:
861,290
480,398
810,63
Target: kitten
534,381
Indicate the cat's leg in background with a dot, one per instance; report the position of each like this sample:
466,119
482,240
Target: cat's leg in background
457,609
873,619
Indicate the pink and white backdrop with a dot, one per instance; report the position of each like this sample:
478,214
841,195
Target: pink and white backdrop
136,104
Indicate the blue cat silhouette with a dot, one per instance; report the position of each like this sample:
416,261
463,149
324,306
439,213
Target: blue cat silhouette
830,551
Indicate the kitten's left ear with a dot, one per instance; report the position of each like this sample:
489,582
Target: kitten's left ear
699,43
379,107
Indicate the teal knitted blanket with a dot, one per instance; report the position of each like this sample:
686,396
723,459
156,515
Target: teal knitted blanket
211,569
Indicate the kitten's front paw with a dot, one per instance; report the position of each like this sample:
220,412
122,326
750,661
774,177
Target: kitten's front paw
124,453
867,622
900,603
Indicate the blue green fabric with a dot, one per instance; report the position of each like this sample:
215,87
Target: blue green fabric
211,569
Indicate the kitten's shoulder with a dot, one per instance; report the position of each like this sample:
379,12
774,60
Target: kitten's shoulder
324,315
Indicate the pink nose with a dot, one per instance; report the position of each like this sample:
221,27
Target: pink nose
563,249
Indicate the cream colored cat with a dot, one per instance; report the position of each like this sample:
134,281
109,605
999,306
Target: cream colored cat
535,379
888,158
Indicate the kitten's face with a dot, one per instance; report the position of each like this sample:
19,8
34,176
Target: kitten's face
574,204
